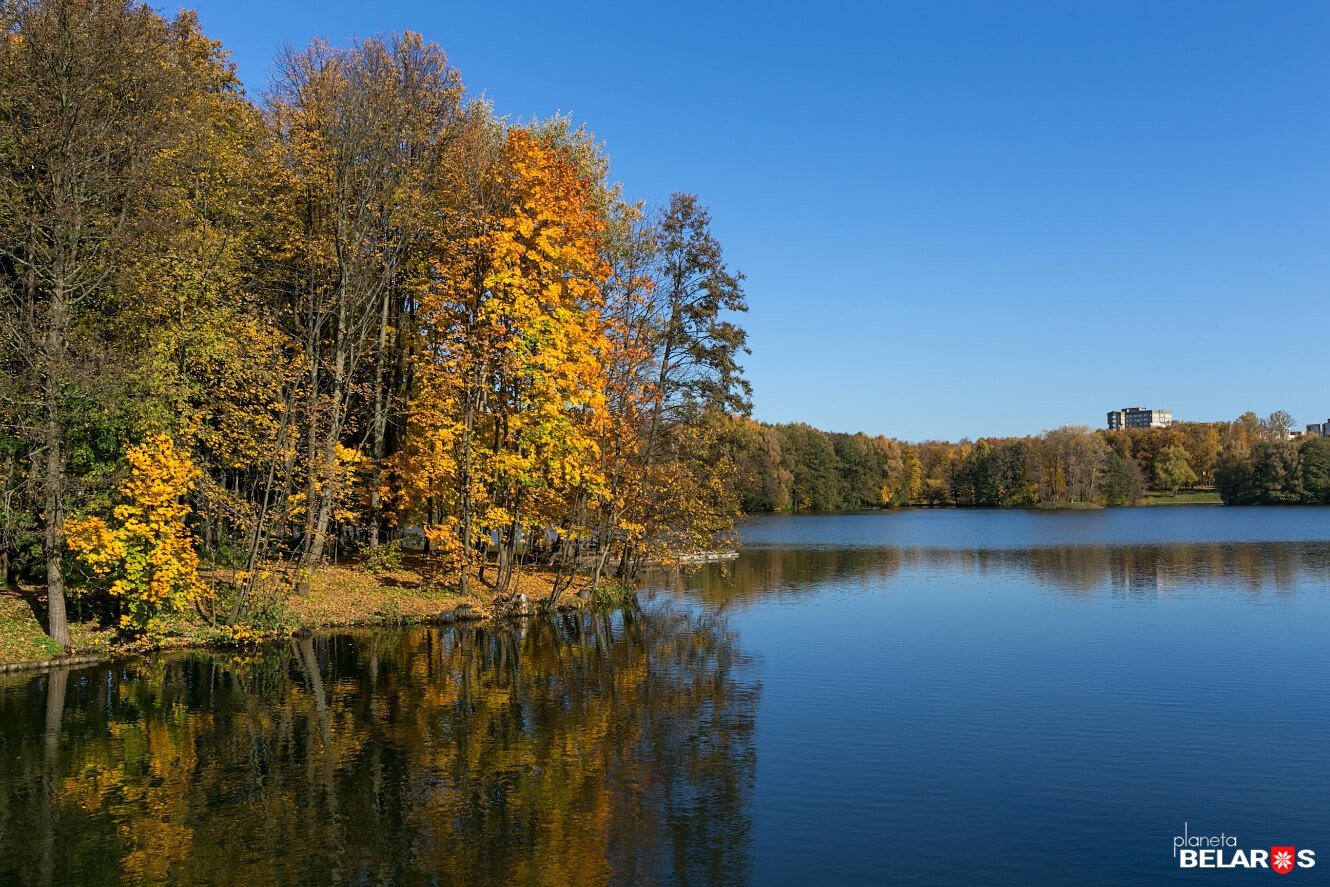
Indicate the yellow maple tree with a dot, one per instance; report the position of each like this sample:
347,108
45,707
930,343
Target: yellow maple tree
146,549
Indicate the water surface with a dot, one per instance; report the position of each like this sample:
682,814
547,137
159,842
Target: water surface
923,697
1030,698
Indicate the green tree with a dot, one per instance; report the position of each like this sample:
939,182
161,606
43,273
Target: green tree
1172,470
810,458
1123,481
1275,476
1315,457
862,470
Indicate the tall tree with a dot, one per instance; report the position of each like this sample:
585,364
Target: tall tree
513,342
1315,457
696,350
358,132
92,96
1277,425
699,346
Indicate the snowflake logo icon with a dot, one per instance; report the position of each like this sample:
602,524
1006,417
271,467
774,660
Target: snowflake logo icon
1281,859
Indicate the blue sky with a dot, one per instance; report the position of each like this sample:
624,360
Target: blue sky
956,218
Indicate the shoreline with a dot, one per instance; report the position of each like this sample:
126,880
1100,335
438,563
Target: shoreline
341,597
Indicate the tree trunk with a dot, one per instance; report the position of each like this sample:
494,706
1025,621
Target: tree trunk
379,424
311,452
315,544
465,505
624,560
53,512
601,560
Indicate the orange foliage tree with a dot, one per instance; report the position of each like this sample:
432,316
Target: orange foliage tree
511,378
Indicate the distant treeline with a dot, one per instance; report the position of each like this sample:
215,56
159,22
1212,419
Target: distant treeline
1249,461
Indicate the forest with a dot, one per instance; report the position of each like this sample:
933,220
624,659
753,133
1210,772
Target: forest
241,336
1250,461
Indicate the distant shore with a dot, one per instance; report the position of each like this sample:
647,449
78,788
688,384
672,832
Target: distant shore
1149,500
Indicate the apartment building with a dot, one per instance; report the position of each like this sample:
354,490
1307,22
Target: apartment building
1139,417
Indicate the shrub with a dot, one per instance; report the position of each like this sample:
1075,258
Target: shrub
385,558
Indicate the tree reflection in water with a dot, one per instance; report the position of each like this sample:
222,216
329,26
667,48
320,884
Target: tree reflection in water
1074,569
583,749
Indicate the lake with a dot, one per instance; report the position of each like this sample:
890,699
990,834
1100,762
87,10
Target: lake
922,697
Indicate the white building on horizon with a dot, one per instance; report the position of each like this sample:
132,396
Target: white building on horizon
1139,417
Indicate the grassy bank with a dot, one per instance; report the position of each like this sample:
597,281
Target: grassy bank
1067,506
1182,497
23,640
339,596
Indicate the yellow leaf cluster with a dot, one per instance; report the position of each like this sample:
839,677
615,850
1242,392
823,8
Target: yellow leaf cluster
146,549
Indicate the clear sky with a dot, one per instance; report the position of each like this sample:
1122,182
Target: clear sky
956,218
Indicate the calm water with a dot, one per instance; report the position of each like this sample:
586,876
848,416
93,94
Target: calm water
926,697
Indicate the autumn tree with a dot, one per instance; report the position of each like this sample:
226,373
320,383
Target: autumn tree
763,478
1249,427
1068,463
1172,470
358,131
630,378
513,346
94,96
1202,441
548,379
361,303
144,550
695,349
1277,425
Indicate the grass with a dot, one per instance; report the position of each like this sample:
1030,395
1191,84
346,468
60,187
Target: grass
342,595
1068,506
1182,497
22,638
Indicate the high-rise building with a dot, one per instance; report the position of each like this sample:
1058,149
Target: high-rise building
1319,429
1139,417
